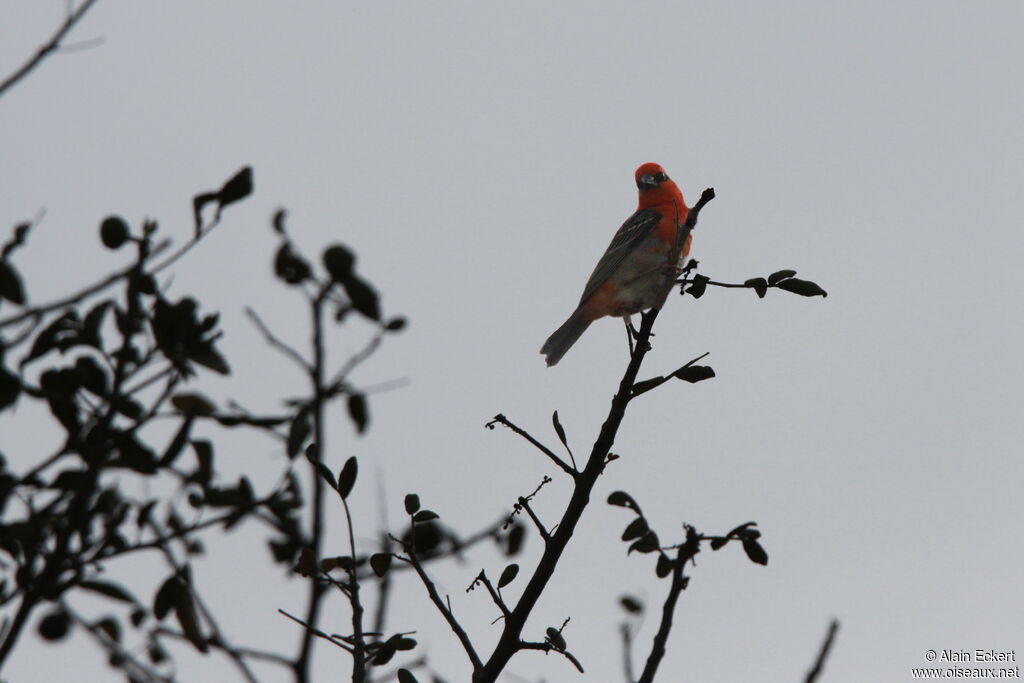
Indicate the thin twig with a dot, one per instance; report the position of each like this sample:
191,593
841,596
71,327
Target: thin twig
442,607
129,664
95,288
547,647
316,589
249,652
684,554
495,596
317,632
358,637
47,48
275,342
564,466
627,651
525,504
826,646
646,385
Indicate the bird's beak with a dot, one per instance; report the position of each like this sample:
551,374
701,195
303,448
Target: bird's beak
647,181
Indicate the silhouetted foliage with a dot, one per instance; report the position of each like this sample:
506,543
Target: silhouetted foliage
109,360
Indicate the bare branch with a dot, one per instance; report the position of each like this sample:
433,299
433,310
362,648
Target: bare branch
564,466
495,596
48,48
547,647
685,553
826,646
317,632
646,385
275,342
525,504
38,312
442,607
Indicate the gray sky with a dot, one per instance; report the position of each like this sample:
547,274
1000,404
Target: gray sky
479,158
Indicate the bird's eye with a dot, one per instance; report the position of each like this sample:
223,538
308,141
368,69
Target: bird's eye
660,177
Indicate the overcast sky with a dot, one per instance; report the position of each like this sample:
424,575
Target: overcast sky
479,157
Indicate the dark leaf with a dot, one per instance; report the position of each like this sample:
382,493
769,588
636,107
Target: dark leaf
72,480
338,262
291,267
802,287
622,499
307,565
405,676
278,221
111,590
204,457
55,625
61,334
694,373
178,443
718,542
664,566
17,239
188,618
559,430
90,375
362,296
759,285
515,540
508,575
142,283
425,516
556,639
325,473
359,412
698,286
403,643
59,387
192,403
412,503
92,323
780,275
426,538
110,628
347,477
744,530
631,604
209,357
10,388
236,188
114,232
396,324
637,528
754,551
344,562
157,654
298,432
646,385
134,454
385,653
380,563
10,284
166,596
647,543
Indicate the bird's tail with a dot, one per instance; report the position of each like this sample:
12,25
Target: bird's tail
565,336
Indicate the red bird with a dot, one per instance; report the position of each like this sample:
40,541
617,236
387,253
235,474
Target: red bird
636,270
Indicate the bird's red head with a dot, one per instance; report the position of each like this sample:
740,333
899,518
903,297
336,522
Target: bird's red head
656,187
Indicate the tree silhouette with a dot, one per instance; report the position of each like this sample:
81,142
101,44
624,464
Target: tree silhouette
111,359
